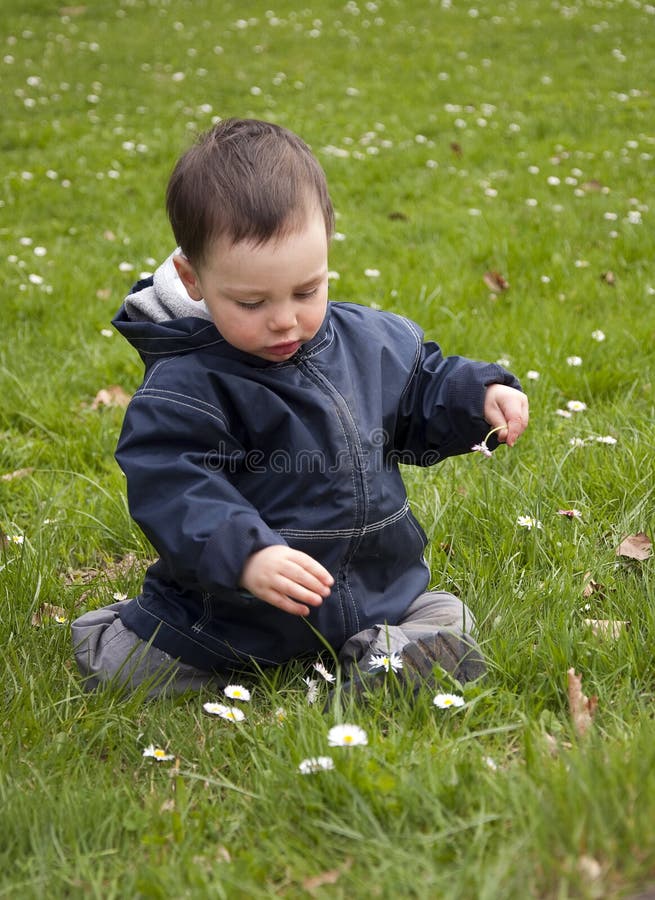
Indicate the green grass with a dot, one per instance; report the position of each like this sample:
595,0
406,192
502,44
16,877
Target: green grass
94,117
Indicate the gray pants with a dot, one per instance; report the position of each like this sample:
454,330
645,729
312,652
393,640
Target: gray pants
108,652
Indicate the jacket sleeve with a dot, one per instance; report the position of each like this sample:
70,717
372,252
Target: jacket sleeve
440,412
179,459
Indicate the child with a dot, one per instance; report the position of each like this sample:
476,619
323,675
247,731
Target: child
262,449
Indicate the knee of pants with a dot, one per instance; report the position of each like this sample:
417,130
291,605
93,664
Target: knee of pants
439,609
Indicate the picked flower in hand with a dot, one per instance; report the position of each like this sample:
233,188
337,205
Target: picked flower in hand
482,446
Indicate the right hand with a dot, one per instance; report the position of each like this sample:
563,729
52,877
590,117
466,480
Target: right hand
286,578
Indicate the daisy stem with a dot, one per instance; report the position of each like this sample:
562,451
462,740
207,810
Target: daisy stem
493,431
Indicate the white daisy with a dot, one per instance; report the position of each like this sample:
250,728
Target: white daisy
481,448
606,439
445,701
570,513
564,413
529,522
323,672
236,692
347,736
391,661
574,360
576,405
316,764
598,335
312,689
225,712
158,754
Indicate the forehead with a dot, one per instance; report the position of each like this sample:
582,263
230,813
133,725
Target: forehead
292,258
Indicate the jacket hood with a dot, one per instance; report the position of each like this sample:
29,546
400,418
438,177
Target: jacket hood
159,318
163,297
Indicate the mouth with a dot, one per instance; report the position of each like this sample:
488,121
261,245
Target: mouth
286,349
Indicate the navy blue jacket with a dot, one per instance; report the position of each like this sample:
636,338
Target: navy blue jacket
226,453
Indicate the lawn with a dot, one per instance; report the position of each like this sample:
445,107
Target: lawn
491,165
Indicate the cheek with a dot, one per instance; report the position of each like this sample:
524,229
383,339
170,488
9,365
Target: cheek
241,326
320,312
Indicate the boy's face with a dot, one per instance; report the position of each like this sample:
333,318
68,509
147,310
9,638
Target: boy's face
267,300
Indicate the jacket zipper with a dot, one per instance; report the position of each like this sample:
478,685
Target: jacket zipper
351,618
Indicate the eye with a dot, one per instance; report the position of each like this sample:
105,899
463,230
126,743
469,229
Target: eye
245,305
305,295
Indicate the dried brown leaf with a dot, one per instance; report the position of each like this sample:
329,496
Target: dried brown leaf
609,278
114,395
635,546
590,870
551,744
554,746
457,149
19,473
592,587
607,628
331,876
592,185
495,281
48,611
581,707
396,216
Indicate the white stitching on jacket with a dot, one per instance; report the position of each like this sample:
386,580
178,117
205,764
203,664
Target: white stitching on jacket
328,534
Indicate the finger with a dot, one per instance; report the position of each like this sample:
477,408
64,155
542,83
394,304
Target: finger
308,564
518,423
298,577
298,592
516,429
286,604
513,432
503,434
499,424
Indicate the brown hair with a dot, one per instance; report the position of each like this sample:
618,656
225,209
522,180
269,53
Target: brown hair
246,180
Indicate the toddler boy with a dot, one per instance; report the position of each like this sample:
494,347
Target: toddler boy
262,449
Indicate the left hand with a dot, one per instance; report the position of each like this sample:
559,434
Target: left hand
507,408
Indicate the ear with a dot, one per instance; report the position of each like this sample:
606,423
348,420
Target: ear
188,277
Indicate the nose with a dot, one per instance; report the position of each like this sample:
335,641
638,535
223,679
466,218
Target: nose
283,317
